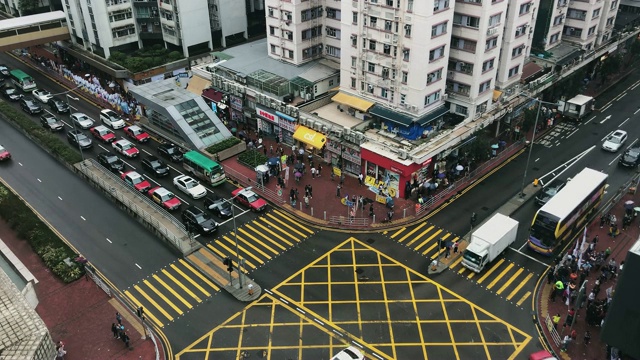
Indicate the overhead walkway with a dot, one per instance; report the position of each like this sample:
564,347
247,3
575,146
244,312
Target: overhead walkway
32,30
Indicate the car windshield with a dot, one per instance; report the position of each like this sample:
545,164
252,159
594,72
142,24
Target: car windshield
81,137
172,150
102,131
551,191
136,131
166,197
200,218
127,146
615,140
471,257
137,179
156,164
51,120
2,149
112,159
190,183
11,91
252,198
633,153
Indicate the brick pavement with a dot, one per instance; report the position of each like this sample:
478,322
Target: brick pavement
80,314
619,245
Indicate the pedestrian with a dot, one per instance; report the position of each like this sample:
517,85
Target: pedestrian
550,277
447,252
389,215
455,247
318,171
277,139
250,287
313,172
556,320
338,190
306,190
587,337
306,201
310,191
61,352
125,340
264,149
332,174
565,343
603,220
271,149
569,320
341,179
119,318
360,178
114,330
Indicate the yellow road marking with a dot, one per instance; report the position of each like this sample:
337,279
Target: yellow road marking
522,283
286,225
420,236
288,233
428,239
493,268
258,241
247,262
398,233
146,311
258,233
158,279
153,302
412,232
270,232
500,276
184,288
515,276
471,275
243,249
202,277
286,216
161,295
453,264
523,298
440,251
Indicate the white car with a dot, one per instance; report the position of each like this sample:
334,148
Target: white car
190,186
350,353
42,95
82,120
112,119
615,141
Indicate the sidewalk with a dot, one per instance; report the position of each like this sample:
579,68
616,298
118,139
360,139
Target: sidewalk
80,314
619,246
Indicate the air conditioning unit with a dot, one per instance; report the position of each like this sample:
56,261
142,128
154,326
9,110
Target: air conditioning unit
325,129
403,155
445,97
303,121
492,31
317,126
414,108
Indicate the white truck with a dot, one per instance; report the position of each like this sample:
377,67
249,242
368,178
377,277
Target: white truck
577,107
488,241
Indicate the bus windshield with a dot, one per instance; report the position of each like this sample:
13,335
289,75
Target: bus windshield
544,229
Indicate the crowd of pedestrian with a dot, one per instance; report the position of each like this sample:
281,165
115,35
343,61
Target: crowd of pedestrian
119,331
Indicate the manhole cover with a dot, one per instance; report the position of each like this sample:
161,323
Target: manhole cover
484,208
359,271
370,241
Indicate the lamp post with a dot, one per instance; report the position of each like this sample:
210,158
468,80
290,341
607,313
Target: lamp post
235,236
69,97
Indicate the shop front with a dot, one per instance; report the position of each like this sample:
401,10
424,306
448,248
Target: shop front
268,121
287,128
385,176
313,139
235,103
342,155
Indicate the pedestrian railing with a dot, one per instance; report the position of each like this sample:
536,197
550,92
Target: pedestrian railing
260,188
89,271
347,221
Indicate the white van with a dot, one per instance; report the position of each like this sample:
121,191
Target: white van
112,119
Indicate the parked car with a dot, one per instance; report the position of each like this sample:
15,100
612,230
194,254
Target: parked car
549,191
171,152
164,198
5,155
29,105
135,132
77,138
11,94
125,148
136,180
614,142
42,95
112,119
350,353
155,166
103,134
82,120
218,206
249,198
4,70
111,162
630,158
51,123
190,186
58,105
196,220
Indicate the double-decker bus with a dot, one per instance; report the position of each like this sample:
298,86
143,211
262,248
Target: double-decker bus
204,168
22,80
562,217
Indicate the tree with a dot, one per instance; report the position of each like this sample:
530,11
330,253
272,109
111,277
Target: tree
609,66
29,6
529,118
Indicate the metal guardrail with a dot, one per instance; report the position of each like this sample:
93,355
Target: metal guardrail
96,279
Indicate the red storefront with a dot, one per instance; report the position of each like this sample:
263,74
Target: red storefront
391,172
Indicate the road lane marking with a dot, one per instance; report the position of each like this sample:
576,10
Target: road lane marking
39,180
110,242
615,159
153,302
605,108
635,112
82,217
19,163
530,257
146,312
428,240
246,251
139,267
588,121
622,123
606,136
490,271
515,276
170,289
537,160
60,198
270,232
231,218
621,96
103,148
522,283
146,152
575,131
260,242
131,166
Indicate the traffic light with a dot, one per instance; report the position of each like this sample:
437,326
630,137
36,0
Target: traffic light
227,261
140,311
474,217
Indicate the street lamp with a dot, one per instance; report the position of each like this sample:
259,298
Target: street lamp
69,97
235,235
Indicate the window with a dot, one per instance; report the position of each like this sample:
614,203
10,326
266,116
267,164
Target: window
611,20
481,108
126,14
311,52
312,33
437,30
460,66
405,54
354,17
484,86
331,82
409,5
595,14
491,44
614,4
464,20
440,5
353,61
388,25
371,67
271,12
272,30
288,34
407,30
289,54
286,15
354,40
384,92
488,65
403,99
521,30
436,54
373,21
123,31
554,38
592,30
431,98
576,14
571,31
274,49
353,83
525,8
434,76
333,13
517,51
387,49
462,110
558,20
514,71
372,45
333,51
306,15
370,88
405,77
463,44
494,20
385,72
333,32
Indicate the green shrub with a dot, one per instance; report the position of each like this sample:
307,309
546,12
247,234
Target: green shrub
223,145
252,158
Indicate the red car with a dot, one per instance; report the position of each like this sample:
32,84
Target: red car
135,132
136,180
4,154
126,148
103,134
249,198
164,198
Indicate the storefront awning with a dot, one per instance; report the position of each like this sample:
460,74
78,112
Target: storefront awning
354,102
309,137
198,84
496,95
434,115
391,115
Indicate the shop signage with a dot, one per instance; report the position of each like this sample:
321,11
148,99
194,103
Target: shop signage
235,102
427,162
267,115
396,170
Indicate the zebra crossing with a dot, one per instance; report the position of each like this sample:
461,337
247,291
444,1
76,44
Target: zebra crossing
177,288
502,277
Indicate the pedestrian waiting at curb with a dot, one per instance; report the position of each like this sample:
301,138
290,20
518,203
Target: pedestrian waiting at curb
114,330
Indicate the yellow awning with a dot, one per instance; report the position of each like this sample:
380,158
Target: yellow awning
309,137
197,84
496,95
354,102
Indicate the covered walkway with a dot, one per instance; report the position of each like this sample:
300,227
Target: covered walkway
33,30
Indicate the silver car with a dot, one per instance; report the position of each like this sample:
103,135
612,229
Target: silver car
82,120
